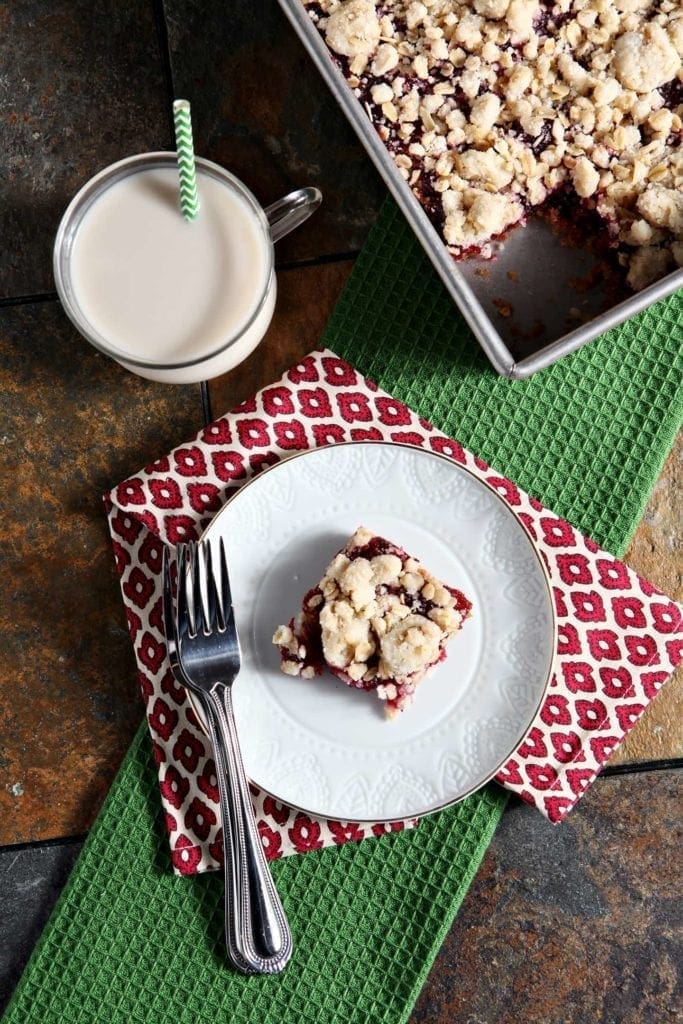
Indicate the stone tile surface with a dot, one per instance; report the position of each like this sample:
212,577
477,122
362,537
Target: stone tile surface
81,86
656,551
572,924
73,424
31,879
260,108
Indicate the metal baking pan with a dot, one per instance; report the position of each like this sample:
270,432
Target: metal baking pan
540,299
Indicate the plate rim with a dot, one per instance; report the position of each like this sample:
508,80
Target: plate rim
553,615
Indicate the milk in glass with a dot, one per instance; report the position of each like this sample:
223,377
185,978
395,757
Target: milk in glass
159,288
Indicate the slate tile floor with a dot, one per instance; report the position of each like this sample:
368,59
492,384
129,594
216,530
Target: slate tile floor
562,925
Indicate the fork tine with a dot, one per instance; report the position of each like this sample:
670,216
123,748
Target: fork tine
225,598
205,585
169,624
185,611
213,588
195,588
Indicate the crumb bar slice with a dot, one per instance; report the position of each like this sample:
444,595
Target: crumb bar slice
378,620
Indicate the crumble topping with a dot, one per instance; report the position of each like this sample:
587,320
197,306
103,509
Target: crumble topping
378,620
489,107
353,30
646,61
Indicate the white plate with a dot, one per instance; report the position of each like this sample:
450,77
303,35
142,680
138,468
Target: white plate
326,748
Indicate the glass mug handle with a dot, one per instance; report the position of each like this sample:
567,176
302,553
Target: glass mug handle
291,211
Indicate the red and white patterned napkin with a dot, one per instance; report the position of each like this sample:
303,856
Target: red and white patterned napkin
618,637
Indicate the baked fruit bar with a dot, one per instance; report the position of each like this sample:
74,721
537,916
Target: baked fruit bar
491,108
378,620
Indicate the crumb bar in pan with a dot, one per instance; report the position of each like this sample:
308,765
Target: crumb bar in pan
493,108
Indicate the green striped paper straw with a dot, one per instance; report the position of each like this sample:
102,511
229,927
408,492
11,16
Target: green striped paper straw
187,171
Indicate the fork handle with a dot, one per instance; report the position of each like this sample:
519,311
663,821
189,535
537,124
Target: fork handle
258,936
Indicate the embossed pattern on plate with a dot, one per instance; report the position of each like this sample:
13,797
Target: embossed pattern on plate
321,746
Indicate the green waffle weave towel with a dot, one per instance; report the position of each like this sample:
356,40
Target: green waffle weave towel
128,941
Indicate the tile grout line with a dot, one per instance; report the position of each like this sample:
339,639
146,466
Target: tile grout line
26,300
665,764
159,16
33,844
315,261
639,767
206,403
318,261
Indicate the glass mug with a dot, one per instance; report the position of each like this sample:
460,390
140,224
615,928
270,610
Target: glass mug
172,300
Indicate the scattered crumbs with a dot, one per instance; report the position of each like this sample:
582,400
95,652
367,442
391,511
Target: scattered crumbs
513,275
482,272
576,316
536,332
504,308
584,284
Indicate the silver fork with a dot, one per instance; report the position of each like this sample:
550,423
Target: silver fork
204,651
